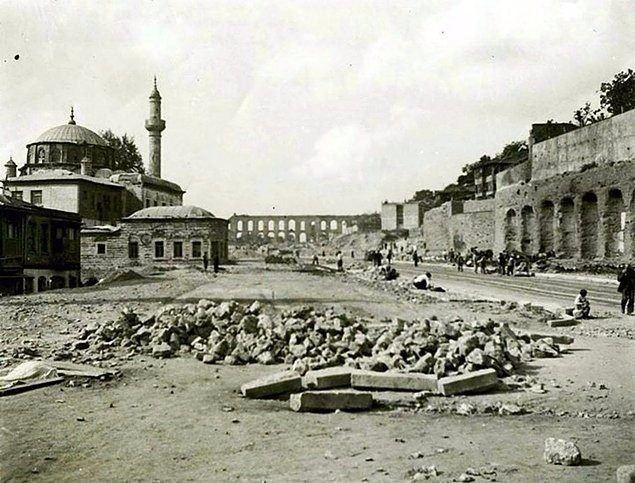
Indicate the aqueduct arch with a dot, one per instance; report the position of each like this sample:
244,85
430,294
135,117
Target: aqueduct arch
614,224
510,229
589,220
546,226
567,227
528,218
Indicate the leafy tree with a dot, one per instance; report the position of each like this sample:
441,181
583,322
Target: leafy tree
618,95
514,152
586,115
127,156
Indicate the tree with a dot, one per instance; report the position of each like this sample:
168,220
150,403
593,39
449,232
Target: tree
618,95
586,115
127,156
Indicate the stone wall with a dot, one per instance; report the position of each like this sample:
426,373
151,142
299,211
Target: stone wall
389,216
588,214
460,226
412,215
516,174
212,235
612,140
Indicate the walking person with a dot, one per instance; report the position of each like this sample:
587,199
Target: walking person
216,263
511,265
415,258
389,256
459,262
205,261
626,287
340,262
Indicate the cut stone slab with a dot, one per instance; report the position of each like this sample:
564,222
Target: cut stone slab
394,381
476,381
325,401
280,383
562,322
328,378
557,339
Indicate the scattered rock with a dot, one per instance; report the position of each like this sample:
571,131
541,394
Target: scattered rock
626,474
561,452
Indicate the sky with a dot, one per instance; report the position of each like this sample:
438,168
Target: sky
307,107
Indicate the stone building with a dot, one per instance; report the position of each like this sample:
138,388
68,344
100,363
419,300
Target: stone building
70,168
155,236
39,247
299,228
575,196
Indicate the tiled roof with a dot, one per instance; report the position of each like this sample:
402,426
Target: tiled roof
71,133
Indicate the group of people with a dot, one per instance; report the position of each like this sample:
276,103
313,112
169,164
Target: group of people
215,262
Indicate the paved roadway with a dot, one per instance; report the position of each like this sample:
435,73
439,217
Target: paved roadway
553,290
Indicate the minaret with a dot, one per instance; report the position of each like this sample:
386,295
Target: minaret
155,125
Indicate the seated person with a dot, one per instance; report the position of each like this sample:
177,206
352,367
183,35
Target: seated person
423,282
581,306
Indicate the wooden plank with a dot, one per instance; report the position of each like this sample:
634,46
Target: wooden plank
19,388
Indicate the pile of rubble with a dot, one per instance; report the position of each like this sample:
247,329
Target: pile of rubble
307,338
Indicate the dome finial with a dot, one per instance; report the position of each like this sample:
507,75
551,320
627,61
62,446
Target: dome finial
72,121
155,81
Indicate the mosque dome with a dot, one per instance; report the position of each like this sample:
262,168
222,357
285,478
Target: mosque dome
72,133
171,212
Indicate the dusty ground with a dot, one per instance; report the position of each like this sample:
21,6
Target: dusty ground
182,420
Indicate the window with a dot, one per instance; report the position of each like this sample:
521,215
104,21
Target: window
133,249
44,238
159,251
196,249
36,197
31,240
177,249
59,233
72,233
17,195
101,249
12,230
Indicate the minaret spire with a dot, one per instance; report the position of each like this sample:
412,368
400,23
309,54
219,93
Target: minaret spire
155,125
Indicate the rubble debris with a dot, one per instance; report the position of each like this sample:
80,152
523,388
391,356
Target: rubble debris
558,339
19,387
120,276
422,473
324,401
561,452
274,385
626,474
393,381
310,339
476,381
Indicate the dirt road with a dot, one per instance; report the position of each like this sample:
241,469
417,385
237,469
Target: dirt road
179,419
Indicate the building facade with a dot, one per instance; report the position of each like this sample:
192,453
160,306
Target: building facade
70,167
155,237
39,247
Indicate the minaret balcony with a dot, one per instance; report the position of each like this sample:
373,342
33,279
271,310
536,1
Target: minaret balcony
155,124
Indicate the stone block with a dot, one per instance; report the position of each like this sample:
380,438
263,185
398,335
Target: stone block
558,339
328,378
274,385
476,381
325,401
562,322
393,381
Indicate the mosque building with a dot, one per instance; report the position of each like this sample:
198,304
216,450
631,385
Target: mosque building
71,168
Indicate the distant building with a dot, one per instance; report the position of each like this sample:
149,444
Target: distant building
391,216
156,236
39,247
70,168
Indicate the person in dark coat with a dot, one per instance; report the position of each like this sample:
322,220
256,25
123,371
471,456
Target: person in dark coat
205,261
216,263
626,287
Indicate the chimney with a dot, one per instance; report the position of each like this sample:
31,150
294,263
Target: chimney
11,168
86,166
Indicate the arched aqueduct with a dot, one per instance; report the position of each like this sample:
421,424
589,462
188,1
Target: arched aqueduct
303,229
594,223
